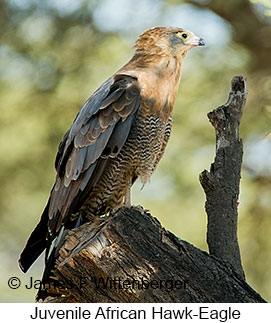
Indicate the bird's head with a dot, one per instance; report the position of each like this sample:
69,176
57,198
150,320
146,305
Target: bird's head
165,41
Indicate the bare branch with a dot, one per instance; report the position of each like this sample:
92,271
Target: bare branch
221,184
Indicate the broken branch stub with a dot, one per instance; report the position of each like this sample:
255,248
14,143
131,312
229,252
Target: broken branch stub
221,183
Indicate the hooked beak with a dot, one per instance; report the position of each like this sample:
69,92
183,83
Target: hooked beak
201,42
196,41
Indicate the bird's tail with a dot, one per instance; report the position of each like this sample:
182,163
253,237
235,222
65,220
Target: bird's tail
44,291
36,243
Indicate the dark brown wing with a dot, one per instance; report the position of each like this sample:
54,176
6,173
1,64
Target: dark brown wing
98,133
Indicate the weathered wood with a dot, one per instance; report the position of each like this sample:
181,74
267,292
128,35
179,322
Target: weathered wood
147,262
221,184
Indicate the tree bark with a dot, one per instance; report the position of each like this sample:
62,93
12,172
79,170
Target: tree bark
129,257
221,184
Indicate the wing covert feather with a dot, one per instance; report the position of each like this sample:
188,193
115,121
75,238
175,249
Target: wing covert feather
98,133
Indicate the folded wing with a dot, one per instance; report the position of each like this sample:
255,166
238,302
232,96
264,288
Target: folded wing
98,133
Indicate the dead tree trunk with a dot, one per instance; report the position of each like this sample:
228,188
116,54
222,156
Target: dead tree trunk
130,257
221,184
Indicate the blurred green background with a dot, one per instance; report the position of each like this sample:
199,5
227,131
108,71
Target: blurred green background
55,53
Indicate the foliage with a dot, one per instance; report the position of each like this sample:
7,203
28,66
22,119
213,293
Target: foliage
266,6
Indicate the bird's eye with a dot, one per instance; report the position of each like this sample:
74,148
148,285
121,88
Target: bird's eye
182,35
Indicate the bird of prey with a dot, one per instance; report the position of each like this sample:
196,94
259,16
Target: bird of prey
119,135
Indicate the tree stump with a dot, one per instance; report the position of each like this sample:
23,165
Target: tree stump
129,257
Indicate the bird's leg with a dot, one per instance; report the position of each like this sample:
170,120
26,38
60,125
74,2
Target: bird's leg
127,198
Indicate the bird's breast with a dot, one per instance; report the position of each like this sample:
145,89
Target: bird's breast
146,144
158,90
158,82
